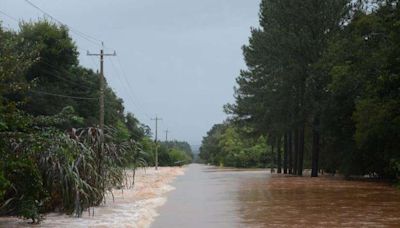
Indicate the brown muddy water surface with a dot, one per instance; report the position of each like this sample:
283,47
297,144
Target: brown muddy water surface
213,197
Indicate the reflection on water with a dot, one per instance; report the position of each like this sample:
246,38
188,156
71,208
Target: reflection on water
214,197
282,200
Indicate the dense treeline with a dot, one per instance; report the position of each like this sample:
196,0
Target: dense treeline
227,145
173,153
322,85
52,155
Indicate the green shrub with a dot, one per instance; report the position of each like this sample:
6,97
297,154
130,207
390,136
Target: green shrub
4,183
25,193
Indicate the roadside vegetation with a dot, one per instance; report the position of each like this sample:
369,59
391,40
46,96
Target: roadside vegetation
321,91
51,155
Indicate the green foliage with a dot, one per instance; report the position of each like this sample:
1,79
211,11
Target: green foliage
51,157
122,132
174,153
67,117
178,157
224,145
325,73
56,56
135,128
148,145
4,183
209,150
25,192
360,117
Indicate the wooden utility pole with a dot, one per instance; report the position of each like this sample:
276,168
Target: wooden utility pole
155,140
101,99
166,135
101,114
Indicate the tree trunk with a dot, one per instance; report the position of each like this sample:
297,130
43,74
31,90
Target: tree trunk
301,151
279,154
272,157
290,152
296,151
133,176
315,148
285,153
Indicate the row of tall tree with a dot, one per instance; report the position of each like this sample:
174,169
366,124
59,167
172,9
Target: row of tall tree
322,84
51,152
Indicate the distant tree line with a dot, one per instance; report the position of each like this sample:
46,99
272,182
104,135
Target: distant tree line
51,157
322,85
228,145
173,153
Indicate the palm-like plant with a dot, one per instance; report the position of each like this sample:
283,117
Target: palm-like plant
138,158
74,170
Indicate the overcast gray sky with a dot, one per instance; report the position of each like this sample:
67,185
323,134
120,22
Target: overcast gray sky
177,59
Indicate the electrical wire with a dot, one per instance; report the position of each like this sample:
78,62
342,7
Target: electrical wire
9,16
131,100
48,64
64,96
126,86
60,75
77,32
90,39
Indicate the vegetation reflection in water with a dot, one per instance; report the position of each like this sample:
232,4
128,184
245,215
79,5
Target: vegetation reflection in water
320,92
208,196
326,201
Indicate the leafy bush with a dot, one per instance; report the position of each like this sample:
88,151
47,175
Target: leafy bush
226,146
178,157
25,193
43,167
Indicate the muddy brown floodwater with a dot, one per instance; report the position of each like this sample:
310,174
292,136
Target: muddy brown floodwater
213,197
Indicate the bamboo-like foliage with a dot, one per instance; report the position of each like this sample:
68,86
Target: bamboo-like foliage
76,169
43,168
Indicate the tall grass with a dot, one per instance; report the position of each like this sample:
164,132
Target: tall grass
74,170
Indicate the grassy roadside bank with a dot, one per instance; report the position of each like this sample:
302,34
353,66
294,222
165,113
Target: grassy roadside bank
133,207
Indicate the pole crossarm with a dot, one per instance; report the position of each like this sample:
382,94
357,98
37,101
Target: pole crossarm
101,111
101,100
100,54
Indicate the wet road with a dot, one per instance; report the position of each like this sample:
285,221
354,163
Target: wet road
213,197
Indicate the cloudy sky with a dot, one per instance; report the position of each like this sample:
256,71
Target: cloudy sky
177,59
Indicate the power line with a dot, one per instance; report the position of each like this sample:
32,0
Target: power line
65,96
93,63
101,99
79,33
9,16
127,81
15,19
57,74
128,91
73,30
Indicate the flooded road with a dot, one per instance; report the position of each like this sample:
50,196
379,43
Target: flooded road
213,197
